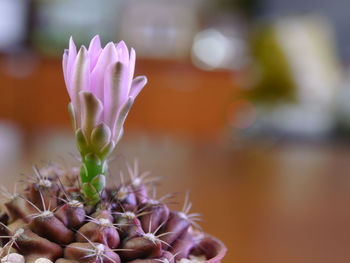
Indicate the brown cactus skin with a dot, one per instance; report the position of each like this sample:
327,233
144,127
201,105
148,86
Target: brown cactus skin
33,246
19,208
103,214
52,228
73,252
155,215
106,235
141,192
213,249
100,230
129,227
49,193
19,223
175,226
4,232
4,217
125,198
71,216
183,245
140,247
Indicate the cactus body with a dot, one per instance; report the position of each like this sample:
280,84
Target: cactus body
50,222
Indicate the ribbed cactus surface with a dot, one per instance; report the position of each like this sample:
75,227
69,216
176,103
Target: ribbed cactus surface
49,221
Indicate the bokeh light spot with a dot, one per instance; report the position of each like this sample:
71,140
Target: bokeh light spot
241,114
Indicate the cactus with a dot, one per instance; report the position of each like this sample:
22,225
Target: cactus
50,220
70,215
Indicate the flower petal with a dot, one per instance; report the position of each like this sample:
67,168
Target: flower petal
92,109
83,147
80,78
94,51
106,150
64,67
108,56
72,115
123,53
119,123
115,91
72,54
100,136
132,64
120,135
137,85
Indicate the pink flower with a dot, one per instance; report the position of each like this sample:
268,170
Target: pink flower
101,87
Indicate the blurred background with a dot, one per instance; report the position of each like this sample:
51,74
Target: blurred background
246,105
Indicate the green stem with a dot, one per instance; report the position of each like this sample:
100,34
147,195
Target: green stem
93,177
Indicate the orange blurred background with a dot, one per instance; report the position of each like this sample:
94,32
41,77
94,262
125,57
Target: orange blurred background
180,97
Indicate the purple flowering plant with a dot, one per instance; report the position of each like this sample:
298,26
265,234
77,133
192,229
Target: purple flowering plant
102,88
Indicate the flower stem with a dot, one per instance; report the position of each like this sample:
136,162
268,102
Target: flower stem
93,177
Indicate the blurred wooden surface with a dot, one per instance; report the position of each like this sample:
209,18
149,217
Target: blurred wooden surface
178,97
268,203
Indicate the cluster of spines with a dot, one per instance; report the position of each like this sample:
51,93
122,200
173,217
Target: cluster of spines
50,220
